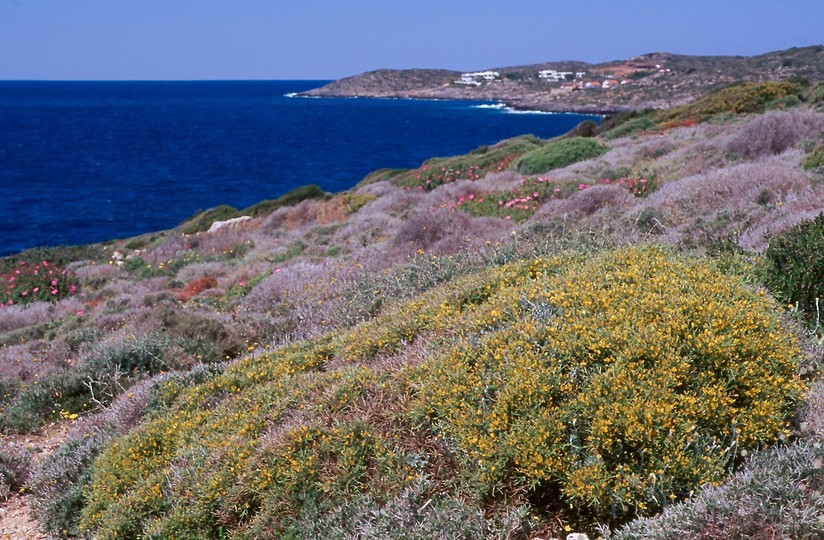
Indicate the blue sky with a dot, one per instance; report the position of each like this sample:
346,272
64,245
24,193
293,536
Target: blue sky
313,39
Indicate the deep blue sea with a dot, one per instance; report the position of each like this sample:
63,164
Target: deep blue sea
84,162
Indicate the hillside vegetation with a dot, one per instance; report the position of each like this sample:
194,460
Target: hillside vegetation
614,332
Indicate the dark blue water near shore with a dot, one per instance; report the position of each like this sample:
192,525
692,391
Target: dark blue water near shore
84,162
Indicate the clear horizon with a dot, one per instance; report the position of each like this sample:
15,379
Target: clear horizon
311,40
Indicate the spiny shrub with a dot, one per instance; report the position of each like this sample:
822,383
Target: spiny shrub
38,281
290,198
561,153
598,387
15,463
615,385
58,483
775,495
58,480
794,265
775,132
415,514
743,98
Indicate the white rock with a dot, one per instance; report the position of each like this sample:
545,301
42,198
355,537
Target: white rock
217,225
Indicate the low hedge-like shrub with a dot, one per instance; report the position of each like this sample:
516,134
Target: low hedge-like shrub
290,198
559,154
202,221
632,126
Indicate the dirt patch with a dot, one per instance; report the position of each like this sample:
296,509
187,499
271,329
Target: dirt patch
15,513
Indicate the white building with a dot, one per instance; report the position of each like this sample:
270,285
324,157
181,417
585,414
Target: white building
557,76
478,76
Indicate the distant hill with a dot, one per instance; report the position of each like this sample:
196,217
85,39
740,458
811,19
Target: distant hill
655,80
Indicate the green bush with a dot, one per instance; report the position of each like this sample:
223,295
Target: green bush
629,127
561,153
785,102
202,221
291,198
814,161
816,96
794,265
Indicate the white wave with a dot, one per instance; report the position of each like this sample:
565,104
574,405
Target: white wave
498,106
297,95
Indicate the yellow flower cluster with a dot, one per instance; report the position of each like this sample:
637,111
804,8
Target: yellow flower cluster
623,382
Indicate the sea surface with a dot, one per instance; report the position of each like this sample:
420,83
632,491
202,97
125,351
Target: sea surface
85,162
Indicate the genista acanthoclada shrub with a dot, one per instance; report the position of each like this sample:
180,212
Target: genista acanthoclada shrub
594,387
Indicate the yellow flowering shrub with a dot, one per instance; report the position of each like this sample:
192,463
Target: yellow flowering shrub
622,383
601,386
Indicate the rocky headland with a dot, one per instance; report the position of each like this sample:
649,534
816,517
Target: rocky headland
656,80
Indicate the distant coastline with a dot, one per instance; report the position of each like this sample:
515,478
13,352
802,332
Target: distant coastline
656,80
